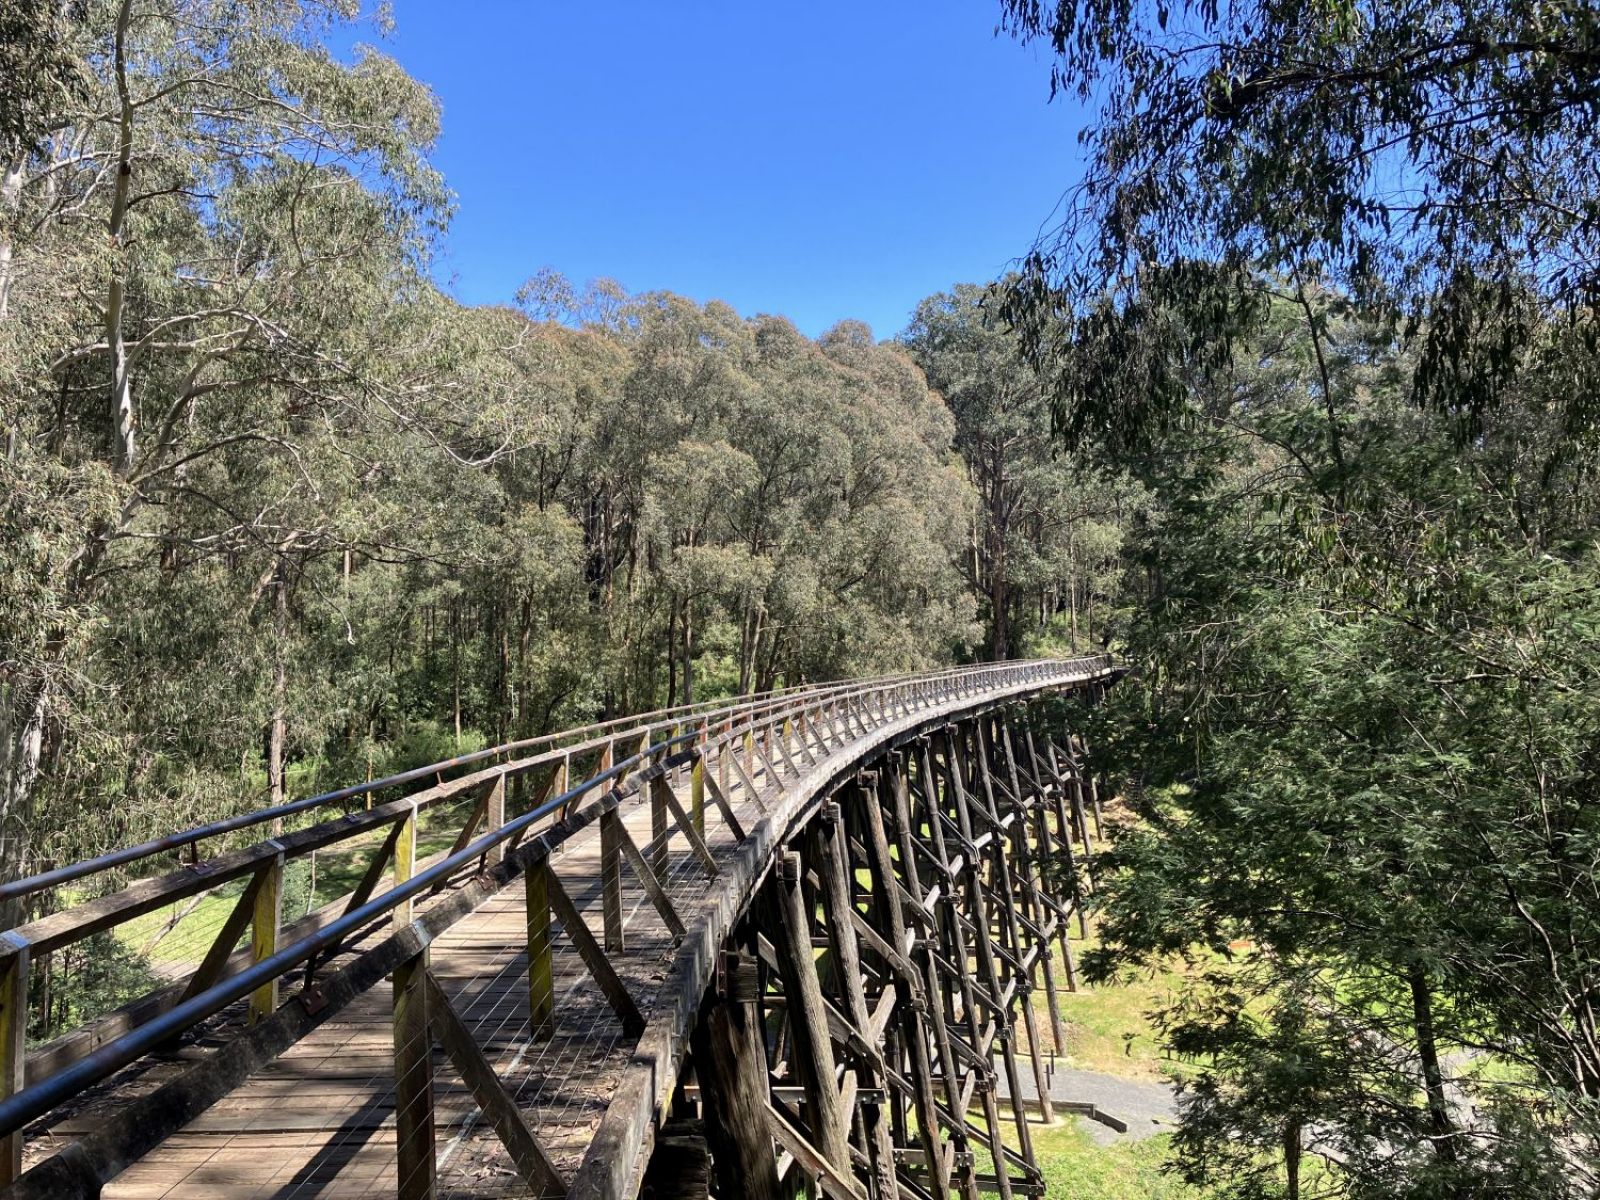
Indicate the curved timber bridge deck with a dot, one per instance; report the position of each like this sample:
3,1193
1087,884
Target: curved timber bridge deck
787,942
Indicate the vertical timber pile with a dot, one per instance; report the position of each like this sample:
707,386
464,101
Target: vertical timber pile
872,1026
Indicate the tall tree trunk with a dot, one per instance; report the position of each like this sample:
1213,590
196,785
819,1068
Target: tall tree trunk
10,200
672,650
999,584
276,727
746,626
23,715
1000,602
503,688
123,448
688,650
524,725
1432,1075
455,666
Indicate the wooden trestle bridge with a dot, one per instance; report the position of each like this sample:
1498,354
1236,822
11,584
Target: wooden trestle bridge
782,945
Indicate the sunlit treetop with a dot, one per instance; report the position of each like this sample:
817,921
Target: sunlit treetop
1433,157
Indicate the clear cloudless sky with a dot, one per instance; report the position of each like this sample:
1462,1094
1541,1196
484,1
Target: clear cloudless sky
823,160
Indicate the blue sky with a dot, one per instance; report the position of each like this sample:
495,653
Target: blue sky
820,160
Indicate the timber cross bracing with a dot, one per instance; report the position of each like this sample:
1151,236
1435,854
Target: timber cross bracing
742,949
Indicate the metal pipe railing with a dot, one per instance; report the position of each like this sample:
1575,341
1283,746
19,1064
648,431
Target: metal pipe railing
917,692
706,711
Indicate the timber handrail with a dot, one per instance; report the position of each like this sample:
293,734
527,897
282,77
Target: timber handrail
577,740
686,736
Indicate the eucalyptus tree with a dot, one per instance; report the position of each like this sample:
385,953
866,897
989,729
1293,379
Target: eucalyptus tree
1426,159
1048,526
1326,288
205,235
1358,730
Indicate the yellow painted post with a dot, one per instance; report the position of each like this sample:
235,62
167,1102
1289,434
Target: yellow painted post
725,748
611,881
493,818
265,924
541,972
14,959
697,784
405,863
660,832
560,781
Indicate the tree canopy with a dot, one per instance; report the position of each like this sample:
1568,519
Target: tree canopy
1326,292
276,513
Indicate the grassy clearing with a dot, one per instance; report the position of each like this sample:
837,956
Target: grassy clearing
1077,1168
1107,1026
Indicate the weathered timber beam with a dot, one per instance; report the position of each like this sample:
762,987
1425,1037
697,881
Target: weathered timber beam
533,1164
417,1166
719,797
680,1164
833,1180
669,798
572,922
808,1011
729,1050
646,873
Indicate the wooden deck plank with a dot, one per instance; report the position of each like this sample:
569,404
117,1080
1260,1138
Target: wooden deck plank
319,1120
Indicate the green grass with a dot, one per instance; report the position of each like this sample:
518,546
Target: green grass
1076,1168
1107,1025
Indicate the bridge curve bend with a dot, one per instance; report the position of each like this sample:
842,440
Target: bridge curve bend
721,948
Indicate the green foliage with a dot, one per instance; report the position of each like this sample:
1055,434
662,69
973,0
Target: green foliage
1075,1168
277,514
1326,292
1364,726
88,979
1424,157
1047,528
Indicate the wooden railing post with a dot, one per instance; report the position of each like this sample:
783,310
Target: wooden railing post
697,781
658,850
413,1082
541,972
265,924
405,864
724,755
14,961
611,882
493,818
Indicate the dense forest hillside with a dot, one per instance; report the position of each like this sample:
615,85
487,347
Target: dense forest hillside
1327,290
277,514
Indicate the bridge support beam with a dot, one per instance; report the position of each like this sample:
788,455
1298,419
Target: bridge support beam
413,1083
730,1054
808,1015
838,897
